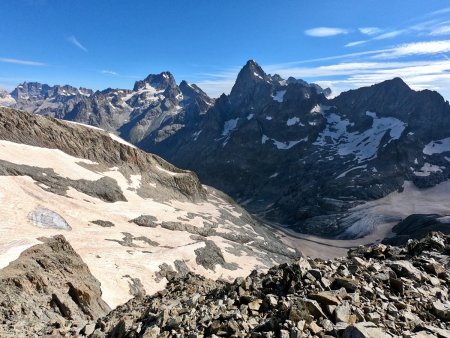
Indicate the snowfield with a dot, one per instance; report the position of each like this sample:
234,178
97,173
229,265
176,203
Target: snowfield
121,250
363,146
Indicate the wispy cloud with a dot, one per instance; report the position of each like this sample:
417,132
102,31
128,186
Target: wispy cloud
416,48
391,34
109,72
370,30
325,31
215,84
356,43
439,12
22,62
73,40
441,30
348,75
402,50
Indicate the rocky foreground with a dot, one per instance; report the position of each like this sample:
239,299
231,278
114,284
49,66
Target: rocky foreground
378,291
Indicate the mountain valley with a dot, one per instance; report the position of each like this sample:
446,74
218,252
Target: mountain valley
284,149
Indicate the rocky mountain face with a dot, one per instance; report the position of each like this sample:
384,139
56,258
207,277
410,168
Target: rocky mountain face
291,155
133,218
378,291
47,286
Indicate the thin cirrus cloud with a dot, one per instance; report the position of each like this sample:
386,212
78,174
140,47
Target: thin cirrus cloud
370,30
22,62
391,34
415,48
348,75
321,32
74,41
442,30
355,43
109,72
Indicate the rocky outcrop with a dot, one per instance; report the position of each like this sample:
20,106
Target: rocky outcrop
378,291
48,290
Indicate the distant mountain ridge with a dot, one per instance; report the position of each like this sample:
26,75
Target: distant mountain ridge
154,103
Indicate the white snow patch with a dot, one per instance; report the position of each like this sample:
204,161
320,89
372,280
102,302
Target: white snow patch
84,125
427,169
171,173
269,118
351,169
444,219
316,109
282,145
229,126
437,147
279,96
250,116
257,75
274,175
196,134
120,140
292,121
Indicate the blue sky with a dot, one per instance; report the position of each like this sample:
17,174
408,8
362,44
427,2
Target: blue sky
342,44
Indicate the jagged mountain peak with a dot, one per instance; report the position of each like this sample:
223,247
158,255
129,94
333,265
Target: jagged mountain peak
252,83
159,81
192,91
37,90
187,88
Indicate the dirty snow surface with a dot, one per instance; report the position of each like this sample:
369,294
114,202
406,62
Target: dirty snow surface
212,237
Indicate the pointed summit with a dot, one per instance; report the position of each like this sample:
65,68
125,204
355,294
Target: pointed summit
252,70
251,83
192,93
394,84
